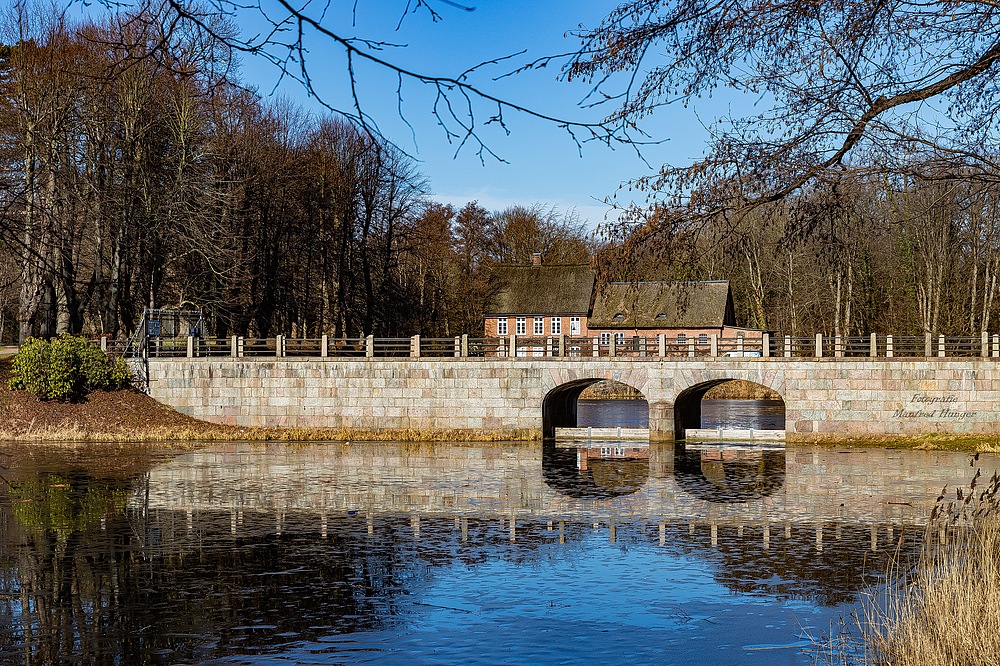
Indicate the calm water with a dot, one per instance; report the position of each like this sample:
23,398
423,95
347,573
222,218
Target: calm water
448,553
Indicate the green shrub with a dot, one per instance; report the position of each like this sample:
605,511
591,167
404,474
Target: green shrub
69,367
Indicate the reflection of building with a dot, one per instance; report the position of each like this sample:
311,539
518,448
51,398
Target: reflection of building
610,451
597,472
547,301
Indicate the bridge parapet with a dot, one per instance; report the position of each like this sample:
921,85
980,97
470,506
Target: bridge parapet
576,348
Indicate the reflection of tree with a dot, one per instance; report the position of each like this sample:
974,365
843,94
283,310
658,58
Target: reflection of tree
56,570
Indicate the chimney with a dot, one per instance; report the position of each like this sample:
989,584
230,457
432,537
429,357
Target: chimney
536,259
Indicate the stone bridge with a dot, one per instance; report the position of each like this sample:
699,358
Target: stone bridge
823,397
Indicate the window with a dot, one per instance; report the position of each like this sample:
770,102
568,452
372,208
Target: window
605,338
703,338
619,339
574,326
539,325
502,326
556,325
574,350
522,326
682,339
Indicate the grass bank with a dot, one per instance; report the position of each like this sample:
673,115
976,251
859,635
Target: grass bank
928,442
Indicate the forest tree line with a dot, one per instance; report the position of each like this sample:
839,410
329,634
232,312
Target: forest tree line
139,171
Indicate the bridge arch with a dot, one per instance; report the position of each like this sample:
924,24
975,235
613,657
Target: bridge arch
688,403
560,408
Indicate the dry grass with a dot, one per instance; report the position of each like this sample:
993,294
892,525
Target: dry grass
945,609
928,442
207,432
741,390
609,389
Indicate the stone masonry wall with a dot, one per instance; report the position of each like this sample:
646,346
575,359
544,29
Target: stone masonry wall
823,397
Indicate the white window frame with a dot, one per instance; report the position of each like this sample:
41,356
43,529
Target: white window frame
605,339
539,326
520,326
619,339
574,326
501,325
682,339
556,325
703,338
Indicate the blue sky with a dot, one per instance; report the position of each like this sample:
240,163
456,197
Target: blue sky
543,164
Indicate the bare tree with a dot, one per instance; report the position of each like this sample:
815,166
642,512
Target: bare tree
875,85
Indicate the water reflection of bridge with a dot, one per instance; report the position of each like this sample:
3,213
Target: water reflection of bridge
760,490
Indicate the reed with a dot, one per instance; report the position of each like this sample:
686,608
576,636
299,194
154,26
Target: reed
942,609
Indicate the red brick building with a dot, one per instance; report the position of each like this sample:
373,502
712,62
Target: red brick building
547,301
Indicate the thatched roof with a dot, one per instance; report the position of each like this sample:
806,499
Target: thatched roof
631,305
543,290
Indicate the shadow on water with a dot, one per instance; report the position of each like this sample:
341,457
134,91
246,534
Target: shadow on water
724,474
714,473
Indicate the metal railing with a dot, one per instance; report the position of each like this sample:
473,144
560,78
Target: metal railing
635,347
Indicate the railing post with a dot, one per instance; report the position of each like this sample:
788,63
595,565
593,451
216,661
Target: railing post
765,345
714,345
597,346
612,346
562,345
548,347
996,346
279,346
661,344
873,346
457,347
104,344
739,345
788,346
819,345
324,346
690,347
985,348
941,346
415,346
465,345
370,346
512,349
888,346
234,346
838,351
241,347
190,346
927,344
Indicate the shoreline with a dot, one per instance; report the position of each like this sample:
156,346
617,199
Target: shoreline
202,432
